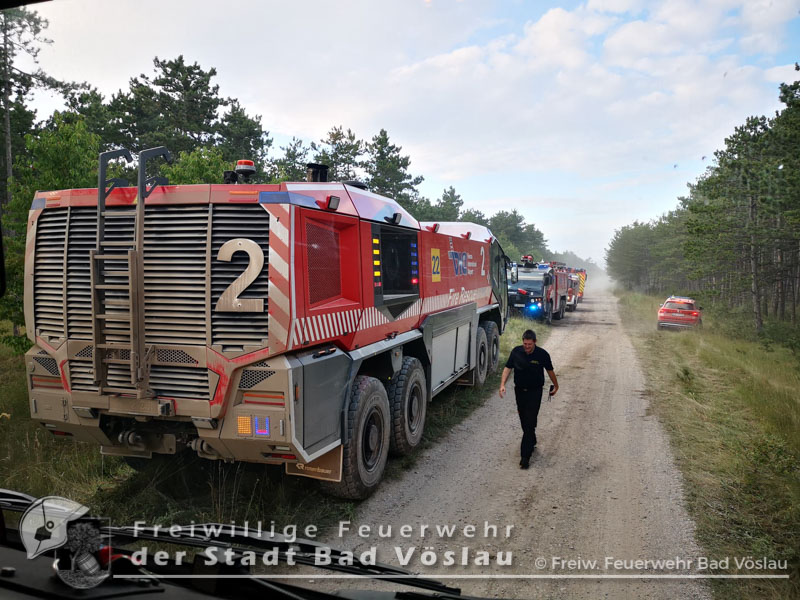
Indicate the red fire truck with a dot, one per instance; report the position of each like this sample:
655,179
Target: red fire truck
542,290
305,324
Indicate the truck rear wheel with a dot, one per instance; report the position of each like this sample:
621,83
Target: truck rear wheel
481,357
366,448
493,340
408,401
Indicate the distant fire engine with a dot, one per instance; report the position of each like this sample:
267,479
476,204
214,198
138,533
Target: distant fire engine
541,290
305,324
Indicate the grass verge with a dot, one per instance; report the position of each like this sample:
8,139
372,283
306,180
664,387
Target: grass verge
732,410
182,489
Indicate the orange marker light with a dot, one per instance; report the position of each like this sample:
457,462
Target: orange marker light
244,425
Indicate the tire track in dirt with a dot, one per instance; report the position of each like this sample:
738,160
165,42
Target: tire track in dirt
602,483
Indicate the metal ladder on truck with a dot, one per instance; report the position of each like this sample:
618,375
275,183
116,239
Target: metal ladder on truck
112,314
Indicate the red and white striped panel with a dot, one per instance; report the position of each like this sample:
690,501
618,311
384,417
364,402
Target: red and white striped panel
280,288
322,327
372,317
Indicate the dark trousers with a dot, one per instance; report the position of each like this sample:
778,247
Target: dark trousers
528,402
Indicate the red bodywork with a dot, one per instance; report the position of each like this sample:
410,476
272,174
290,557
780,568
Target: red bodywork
679,312
299,317
558,289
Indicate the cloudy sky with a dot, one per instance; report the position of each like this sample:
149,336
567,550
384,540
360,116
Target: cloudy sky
582,115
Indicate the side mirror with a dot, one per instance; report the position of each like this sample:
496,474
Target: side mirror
699,308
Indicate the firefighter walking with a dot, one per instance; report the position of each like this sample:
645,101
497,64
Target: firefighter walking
528,363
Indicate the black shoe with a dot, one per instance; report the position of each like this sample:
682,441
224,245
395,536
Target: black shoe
525,463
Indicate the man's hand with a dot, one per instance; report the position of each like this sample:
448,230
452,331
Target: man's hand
503,379
554,381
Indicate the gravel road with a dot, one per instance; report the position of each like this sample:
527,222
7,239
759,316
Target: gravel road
602,483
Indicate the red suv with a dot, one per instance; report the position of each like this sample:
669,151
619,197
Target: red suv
678,311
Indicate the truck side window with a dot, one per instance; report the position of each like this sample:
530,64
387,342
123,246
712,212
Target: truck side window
396,276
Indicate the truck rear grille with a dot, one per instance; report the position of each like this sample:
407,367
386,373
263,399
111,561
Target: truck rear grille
183,281
169,381
180,382
48,287
82,239
233,331
175,240
80,376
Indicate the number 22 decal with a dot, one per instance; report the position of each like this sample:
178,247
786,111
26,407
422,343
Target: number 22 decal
436,268
229,301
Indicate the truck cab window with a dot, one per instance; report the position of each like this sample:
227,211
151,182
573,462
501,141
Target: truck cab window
396,276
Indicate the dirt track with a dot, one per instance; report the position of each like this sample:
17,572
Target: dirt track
603,482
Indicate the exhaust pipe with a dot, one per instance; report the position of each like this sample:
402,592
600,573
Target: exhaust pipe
316,173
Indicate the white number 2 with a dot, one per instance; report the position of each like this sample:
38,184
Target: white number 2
229,301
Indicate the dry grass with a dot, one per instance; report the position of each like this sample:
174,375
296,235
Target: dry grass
732,409
182,489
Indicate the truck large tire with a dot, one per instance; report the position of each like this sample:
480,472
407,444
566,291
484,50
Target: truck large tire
481,357
548,315
408,402
493,340
366,448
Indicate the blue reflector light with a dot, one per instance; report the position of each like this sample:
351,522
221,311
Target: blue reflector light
262,426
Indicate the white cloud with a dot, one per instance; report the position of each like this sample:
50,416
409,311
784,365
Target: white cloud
615,6
782,74
613,89
765,20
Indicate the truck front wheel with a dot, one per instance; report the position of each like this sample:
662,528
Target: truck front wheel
366,448
408,401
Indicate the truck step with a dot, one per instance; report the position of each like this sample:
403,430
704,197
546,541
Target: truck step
115,346
114,317
111,286
111,257
117,244
116,361
119,213
114,302
116,390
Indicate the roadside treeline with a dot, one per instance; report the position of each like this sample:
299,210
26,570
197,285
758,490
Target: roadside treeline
179,106
735,240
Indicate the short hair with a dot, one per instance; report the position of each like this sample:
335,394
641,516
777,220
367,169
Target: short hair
529,334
